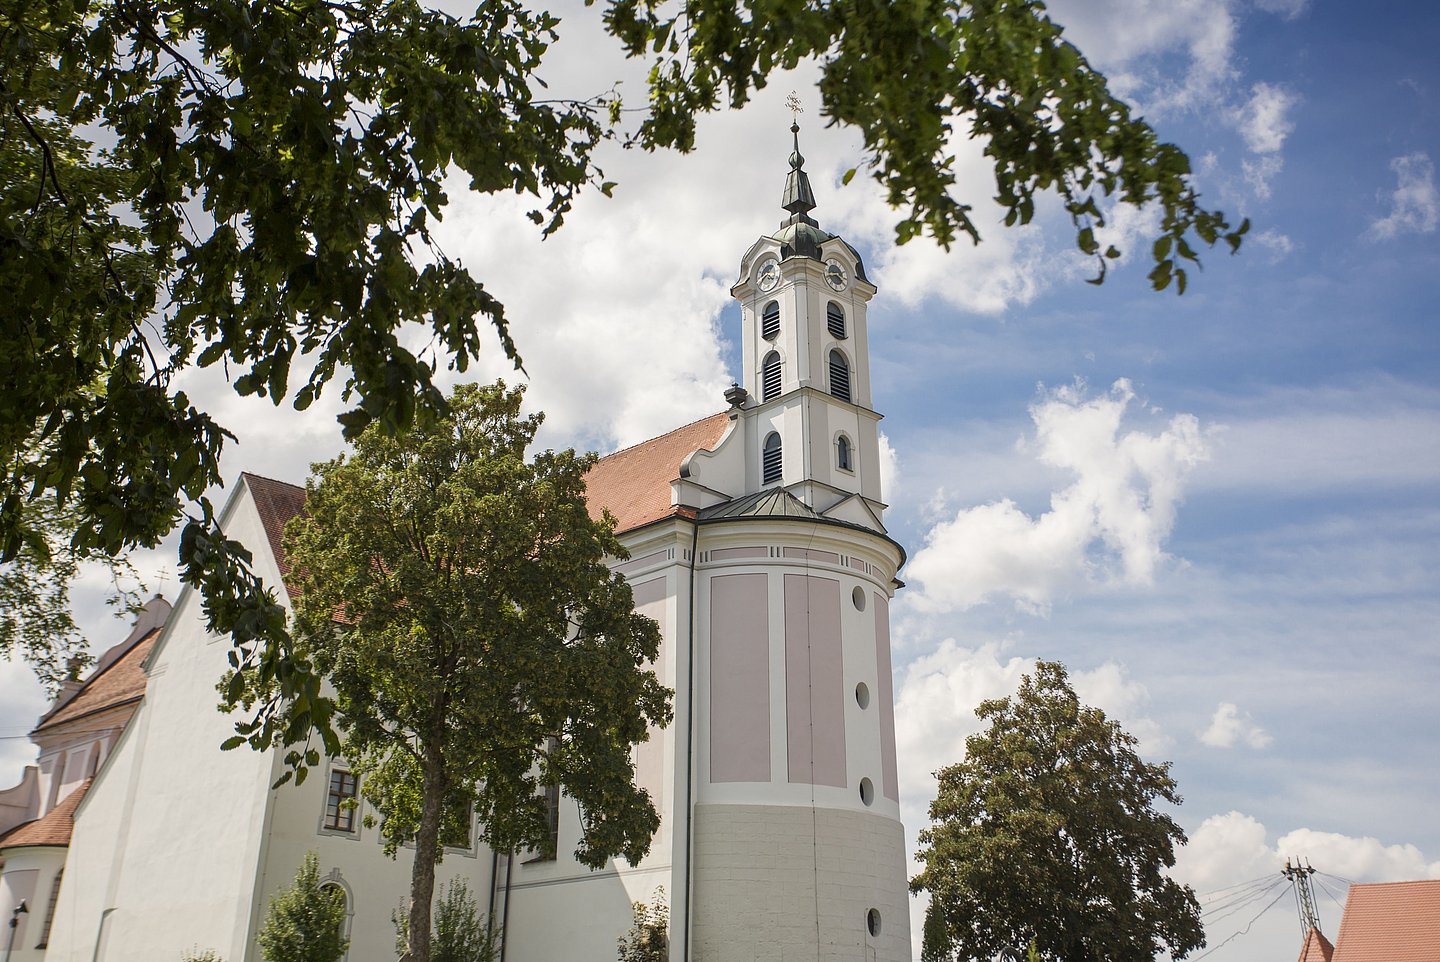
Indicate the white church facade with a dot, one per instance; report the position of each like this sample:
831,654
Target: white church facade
756,541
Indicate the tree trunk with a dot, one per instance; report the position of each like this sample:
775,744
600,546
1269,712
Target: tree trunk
427,842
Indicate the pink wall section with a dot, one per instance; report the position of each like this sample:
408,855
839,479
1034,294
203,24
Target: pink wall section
650,597
814,681
739,678
886,683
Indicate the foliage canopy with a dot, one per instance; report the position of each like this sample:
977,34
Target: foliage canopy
269,174
456,593
306,921
1046,836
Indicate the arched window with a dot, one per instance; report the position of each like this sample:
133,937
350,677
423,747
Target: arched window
332,888
770,462
835,319
842,453
770,321
770,376
839,376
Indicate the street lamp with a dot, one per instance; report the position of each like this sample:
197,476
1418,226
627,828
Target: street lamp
14,924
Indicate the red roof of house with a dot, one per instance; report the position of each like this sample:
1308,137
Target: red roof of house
634,483
277,503
1390,922
1317,948
53,828
118,683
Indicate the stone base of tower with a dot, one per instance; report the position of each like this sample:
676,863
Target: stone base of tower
777,883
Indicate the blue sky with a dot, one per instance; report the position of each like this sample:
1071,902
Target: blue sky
1220,510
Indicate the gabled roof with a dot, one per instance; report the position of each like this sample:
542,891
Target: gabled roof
118,677
277,503
51,829
634,483
120,682
1390,922
1317,948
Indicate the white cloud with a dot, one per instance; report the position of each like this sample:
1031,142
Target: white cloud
22,706
1289,9
1363,859
1007,269
1230,727
1108,525
1263,120
1258,173
1132,40
1264,123
1275,244
1111,689
1415,202
889,469
1234,846
935,701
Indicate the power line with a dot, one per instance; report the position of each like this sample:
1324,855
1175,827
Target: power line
1257,896
1245,930
1240,898
1206,895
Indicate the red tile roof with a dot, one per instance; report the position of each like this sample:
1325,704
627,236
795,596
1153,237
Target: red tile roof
1317,948
120,682
1391,922
53,828
277,503
634,483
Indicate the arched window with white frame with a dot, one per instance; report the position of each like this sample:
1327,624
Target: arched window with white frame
770,373
839,375
844,456
771,469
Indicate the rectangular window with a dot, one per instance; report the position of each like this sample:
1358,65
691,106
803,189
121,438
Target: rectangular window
339,807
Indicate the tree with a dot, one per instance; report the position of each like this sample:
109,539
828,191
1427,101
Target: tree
272,172
456,594
1046,836
459,933
35,618
305,922
649,938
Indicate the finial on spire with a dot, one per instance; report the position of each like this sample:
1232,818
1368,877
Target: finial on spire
798,197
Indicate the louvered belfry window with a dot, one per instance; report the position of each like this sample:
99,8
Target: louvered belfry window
835,319
770,463
770,321
839,376
770,377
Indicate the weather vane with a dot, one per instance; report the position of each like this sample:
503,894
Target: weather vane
792,103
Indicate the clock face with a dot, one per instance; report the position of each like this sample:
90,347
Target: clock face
769,274
835,274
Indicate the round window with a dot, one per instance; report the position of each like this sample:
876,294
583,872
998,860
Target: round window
872,922
857,597
867,791
862,695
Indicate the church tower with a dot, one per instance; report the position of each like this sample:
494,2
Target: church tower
796,846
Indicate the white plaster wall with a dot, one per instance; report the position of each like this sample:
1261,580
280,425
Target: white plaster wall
783,884
559,908
166,845
29,875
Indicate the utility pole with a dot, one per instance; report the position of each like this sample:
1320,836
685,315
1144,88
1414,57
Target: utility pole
1299,876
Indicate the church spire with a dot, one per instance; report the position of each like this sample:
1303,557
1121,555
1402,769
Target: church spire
799,199
799,233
